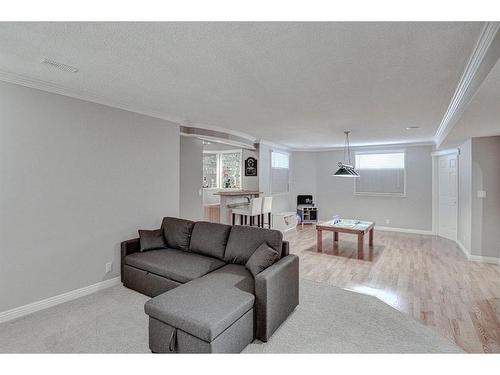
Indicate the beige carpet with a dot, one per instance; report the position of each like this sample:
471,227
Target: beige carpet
328,320
333,320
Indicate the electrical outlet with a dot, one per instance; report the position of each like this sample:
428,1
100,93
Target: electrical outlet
481,194
109,267
387,221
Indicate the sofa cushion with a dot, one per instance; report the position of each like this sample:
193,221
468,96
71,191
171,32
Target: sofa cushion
209,239
262,258
205,307
151,240
244,240
177,232
175,264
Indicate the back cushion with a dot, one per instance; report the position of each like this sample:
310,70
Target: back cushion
244,240
209,239
177,232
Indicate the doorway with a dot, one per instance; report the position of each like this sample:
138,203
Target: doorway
446,193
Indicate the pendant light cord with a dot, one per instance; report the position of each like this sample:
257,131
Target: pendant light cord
347,148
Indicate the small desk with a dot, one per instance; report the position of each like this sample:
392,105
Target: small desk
346,226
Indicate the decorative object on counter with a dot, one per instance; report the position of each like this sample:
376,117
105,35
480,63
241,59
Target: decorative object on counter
336,219
250,166
345,167
306,209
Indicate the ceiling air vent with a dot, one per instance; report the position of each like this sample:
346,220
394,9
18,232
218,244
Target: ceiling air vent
60,66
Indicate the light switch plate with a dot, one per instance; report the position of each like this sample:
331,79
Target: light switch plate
481,194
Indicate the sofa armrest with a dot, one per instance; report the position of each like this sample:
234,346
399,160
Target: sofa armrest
285,249
276,295
128,247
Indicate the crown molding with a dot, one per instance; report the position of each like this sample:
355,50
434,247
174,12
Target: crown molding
274,145
88,96
470,80
217,136
450,151
366,147
233,133
37,84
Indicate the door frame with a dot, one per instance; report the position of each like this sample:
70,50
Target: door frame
435,187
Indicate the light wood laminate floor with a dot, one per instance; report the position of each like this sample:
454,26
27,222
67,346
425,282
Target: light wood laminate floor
427,277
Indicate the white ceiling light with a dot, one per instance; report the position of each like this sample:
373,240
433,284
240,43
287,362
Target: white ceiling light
60,66
412,127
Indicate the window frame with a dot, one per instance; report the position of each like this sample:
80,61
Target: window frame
271,172
375,194
219,166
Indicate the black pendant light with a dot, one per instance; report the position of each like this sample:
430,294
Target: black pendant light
345,168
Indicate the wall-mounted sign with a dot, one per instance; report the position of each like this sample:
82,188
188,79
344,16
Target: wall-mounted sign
251,167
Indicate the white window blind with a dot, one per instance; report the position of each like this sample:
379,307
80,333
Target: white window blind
380,174
279,160
279,172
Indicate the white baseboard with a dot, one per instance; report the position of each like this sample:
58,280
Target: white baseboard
480,258
405,230
463,248
56,300
477,258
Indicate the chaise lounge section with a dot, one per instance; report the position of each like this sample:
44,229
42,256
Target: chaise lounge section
206,297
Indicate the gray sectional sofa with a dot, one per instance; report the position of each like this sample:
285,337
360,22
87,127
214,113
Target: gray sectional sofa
204,298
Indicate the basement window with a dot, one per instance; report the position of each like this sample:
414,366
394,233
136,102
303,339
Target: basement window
381,174
280,163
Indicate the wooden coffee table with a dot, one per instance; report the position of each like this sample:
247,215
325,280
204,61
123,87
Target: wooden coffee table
359,228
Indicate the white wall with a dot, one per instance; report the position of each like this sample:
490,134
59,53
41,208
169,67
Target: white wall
191,178
281,202
302,176
335,195
485,229
77,178
464,195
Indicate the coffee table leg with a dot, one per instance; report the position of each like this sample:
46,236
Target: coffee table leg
319,240
361,241
335,243
370,238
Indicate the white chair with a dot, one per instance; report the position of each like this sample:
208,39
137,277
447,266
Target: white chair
267,205
250,211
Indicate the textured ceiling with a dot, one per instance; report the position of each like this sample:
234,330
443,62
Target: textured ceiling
482,116
299,84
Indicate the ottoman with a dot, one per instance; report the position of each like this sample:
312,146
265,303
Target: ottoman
211,314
